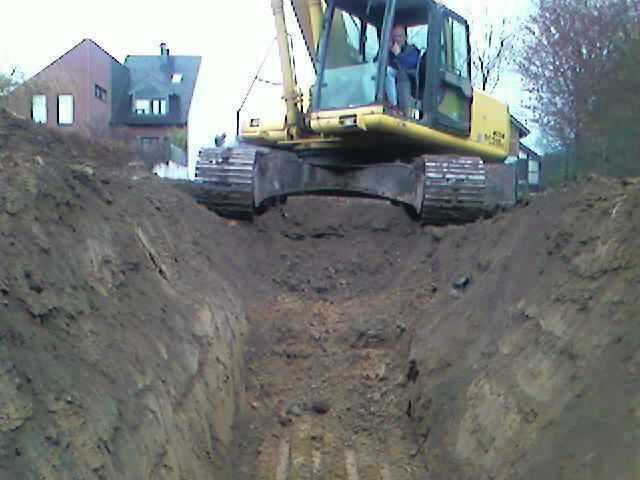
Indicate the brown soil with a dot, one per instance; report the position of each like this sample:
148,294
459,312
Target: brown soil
141,336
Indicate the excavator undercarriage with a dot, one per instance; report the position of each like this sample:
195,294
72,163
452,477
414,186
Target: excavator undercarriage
242,181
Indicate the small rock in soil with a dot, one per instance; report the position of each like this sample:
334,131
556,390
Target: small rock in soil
380,373
321,406
461,282
284,420
455,293
293,410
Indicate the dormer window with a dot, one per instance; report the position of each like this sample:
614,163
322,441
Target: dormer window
176,78
142,107
157,106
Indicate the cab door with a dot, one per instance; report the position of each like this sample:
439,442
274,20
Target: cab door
449,72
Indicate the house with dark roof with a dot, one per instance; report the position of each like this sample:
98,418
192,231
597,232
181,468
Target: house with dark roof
527,162
533,169
145,100
519,175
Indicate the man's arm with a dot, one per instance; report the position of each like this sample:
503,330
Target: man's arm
408,59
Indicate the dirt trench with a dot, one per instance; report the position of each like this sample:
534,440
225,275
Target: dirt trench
143,337
503,349
327,351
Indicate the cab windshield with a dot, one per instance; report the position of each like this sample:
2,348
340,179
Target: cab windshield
352,52
351,62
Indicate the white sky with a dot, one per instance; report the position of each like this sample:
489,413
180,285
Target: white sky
232,37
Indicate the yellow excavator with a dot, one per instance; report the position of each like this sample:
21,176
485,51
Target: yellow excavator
417,135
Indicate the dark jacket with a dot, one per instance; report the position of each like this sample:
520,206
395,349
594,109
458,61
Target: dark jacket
407,58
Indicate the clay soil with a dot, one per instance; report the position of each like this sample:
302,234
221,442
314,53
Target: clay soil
142,336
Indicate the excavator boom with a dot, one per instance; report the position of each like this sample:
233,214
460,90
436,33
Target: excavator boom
309,16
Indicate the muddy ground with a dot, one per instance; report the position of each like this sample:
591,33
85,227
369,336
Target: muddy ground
142,336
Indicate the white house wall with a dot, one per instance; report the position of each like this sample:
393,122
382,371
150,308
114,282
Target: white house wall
200,134
171,170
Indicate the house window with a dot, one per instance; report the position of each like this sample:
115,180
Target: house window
147,143
176,78
39,108
100,93
159,107
142,107
65,109
534,172
150,107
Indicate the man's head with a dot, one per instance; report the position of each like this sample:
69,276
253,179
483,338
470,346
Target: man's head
399,35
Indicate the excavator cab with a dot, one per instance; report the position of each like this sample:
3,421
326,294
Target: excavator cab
355,67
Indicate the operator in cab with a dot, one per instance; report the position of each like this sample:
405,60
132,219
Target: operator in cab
402,56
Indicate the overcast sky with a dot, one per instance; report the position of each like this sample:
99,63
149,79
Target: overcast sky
232,37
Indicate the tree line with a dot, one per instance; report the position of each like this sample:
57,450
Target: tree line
9,81
581,63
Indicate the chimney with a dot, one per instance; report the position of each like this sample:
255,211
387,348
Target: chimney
164,51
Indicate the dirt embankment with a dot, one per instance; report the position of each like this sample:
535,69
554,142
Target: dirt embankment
144,337
532,370
506,349
120,327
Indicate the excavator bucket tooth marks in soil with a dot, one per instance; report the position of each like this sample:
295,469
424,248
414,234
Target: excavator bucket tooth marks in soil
333,454
454,189
228,175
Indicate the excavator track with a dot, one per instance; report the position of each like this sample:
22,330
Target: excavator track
453,186
454,189
228,175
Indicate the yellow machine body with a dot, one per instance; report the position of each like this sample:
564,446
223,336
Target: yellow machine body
489,136
369,125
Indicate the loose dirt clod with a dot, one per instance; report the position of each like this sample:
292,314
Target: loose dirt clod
321,406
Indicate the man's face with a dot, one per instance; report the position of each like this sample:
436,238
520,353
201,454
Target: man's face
398,35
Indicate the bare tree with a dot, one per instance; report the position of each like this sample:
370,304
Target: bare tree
493,46
9,81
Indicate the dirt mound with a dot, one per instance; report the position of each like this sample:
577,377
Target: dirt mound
115,362
535,362
141,336
503,349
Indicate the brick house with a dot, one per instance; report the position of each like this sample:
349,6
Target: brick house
145,100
